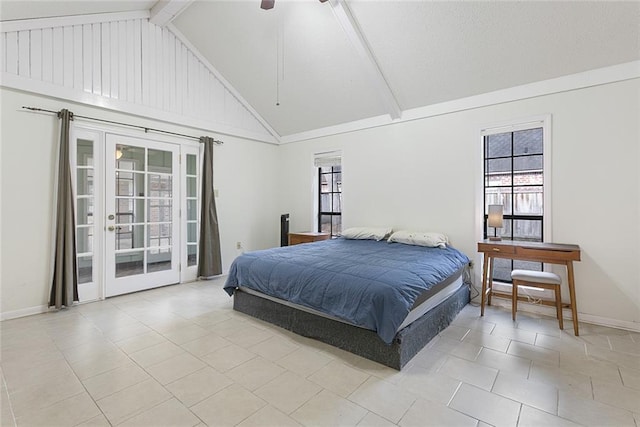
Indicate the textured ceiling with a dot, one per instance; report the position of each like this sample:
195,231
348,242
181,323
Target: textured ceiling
426,51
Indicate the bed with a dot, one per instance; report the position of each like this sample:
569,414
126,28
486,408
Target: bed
383,301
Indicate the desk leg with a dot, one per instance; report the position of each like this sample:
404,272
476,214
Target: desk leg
572,294
483,294
490,280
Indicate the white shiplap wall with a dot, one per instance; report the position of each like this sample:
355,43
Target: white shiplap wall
128,63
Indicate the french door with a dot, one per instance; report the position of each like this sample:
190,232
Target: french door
137,212
142,207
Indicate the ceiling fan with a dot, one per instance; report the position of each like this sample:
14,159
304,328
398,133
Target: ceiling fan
268,4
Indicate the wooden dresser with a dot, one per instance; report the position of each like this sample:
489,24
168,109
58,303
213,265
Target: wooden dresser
307,237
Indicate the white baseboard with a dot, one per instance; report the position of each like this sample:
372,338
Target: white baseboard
582,317
23,312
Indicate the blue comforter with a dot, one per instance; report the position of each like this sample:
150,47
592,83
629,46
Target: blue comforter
366,283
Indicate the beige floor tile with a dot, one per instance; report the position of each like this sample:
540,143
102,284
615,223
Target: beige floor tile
249,336
475,323
68,412
6,413
199,385
339,378
616,395
594,368
622,359
374,420
383,398
228,407
255,373
269,416
469,372
482,339
133,400
454,332
140,342
155,354
89,350
538,395
429,385
39,396
209,319
274,348
504,362
228,357
127,331
314,412
576,383
562,344
531,417
430,359
511,333
531,352
463,350
424,413
483,405
99,364
186,334
175,368
288,392
99,421
202,346
591,413
19,377
304,362
110,382
630,377
167,414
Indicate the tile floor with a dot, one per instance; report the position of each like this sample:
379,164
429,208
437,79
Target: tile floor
180,356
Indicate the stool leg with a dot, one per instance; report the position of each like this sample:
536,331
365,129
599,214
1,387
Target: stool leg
514,299
559,306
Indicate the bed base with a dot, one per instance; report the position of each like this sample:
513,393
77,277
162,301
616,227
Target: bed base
363,342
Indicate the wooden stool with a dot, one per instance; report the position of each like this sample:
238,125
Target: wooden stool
538,279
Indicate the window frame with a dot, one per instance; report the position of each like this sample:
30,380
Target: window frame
541,121
331,213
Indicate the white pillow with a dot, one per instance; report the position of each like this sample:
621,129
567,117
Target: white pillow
432,240
366,233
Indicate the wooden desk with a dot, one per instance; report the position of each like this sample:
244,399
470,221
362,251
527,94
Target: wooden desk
551,253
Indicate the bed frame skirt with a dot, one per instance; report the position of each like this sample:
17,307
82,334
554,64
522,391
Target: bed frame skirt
363,342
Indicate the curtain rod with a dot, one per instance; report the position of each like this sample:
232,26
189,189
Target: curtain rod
146,129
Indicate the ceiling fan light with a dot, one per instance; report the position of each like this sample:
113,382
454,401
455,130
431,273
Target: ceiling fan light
267,4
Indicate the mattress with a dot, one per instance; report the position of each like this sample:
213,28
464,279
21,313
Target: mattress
428,301
373,285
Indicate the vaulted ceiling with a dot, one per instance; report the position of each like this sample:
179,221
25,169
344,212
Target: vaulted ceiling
306,65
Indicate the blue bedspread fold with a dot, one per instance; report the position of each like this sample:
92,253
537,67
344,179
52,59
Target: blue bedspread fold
366,283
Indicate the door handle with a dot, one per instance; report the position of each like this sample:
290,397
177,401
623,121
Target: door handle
111,228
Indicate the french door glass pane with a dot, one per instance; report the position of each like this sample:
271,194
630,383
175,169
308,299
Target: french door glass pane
160,210
131,158
129,184
191,186
129,263
129,210
192,210
160,161
192,232
84,152
129,237
159,185
85,182
191,165
85,240
84,207
158,235
158,260
192,257
85,269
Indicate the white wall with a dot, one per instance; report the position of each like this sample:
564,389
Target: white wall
244,175
425,174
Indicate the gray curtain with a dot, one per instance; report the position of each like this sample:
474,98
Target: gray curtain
209,260
64,287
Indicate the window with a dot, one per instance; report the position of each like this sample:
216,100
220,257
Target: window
514,178
329,195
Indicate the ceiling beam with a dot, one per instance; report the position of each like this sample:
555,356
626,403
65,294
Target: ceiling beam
165,11
357,39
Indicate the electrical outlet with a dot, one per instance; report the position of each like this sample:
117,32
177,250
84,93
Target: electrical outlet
238,245
471,264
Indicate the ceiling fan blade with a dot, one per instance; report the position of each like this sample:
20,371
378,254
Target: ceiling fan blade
267,4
